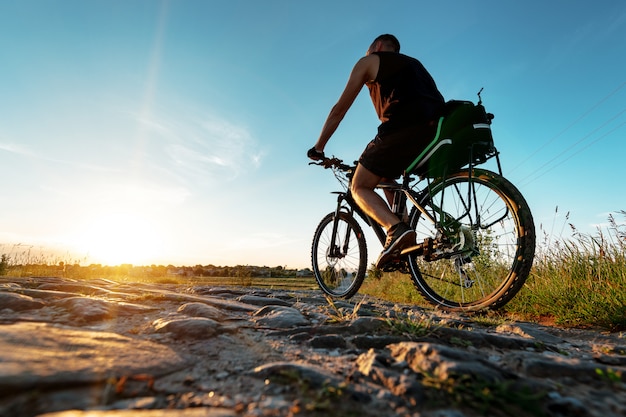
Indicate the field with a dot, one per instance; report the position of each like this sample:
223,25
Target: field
578,281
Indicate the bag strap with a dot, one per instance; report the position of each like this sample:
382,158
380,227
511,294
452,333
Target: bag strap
432,147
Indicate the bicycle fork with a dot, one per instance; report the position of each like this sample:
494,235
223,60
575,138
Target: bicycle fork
335,251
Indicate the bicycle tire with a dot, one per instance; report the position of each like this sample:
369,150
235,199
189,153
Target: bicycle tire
339,272
495,264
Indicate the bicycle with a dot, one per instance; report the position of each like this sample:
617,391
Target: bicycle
475,232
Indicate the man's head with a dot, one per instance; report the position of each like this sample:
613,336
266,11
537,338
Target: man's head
385,42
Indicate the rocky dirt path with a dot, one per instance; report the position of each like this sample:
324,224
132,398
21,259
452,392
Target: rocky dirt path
101,348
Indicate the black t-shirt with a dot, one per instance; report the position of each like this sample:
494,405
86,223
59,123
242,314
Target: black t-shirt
403,93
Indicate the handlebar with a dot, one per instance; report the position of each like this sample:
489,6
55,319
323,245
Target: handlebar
333,163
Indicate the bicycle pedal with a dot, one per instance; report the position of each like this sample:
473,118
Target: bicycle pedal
413,249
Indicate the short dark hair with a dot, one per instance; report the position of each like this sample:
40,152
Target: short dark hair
390,41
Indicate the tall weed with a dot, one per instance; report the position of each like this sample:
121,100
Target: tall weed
579,280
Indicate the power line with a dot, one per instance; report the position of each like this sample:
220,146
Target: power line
595,141
540,174
582,116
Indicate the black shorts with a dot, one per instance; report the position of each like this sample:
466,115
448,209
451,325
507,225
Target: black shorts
389,154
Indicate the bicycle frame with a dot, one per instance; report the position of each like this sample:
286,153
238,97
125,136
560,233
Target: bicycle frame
421,199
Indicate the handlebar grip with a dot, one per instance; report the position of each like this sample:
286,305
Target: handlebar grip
315,154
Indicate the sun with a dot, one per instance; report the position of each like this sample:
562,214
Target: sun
120,237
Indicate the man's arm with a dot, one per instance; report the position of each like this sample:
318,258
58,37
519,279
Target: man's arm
365,70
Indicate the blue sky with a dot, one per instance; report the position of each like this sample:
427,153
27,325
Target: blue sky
176,131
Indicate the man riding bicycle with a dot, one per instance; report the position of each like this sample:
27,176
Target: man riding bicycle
407,103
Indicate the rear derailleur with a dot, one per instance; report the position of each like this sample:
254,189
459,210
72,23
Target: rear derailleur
462,243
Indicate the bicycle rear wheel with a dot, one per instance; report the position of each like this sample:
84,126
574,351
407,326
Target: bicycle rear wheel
486,255
339,268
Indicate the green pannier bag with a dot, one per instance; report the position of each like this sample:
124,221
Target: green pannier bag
463,137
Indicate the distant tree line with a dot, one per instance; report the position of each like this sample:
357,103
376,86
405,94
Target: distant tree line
98,270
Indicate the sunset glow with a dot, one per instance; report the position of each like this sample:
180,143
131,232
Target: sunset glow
120,238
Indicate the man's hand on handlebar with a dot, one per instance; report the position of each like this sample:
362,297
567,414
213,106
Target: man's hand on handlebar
320,159
315,155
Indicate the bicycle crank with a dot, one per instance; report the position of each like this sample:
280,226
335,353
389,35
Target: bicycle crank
423,248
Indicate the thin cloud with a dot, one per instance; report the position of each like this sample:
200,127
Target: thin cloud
19,150
28,153
202,149
184,145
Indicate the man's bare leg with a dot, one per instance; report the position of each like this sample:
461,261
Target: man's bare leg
363,184
399,235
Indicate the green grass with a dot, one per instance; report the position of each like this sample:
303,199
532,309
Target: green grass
579,281
393,286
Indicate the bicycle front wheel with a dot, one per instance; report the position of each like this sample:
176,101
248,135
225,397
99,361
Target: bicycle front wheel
339,255
482,259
